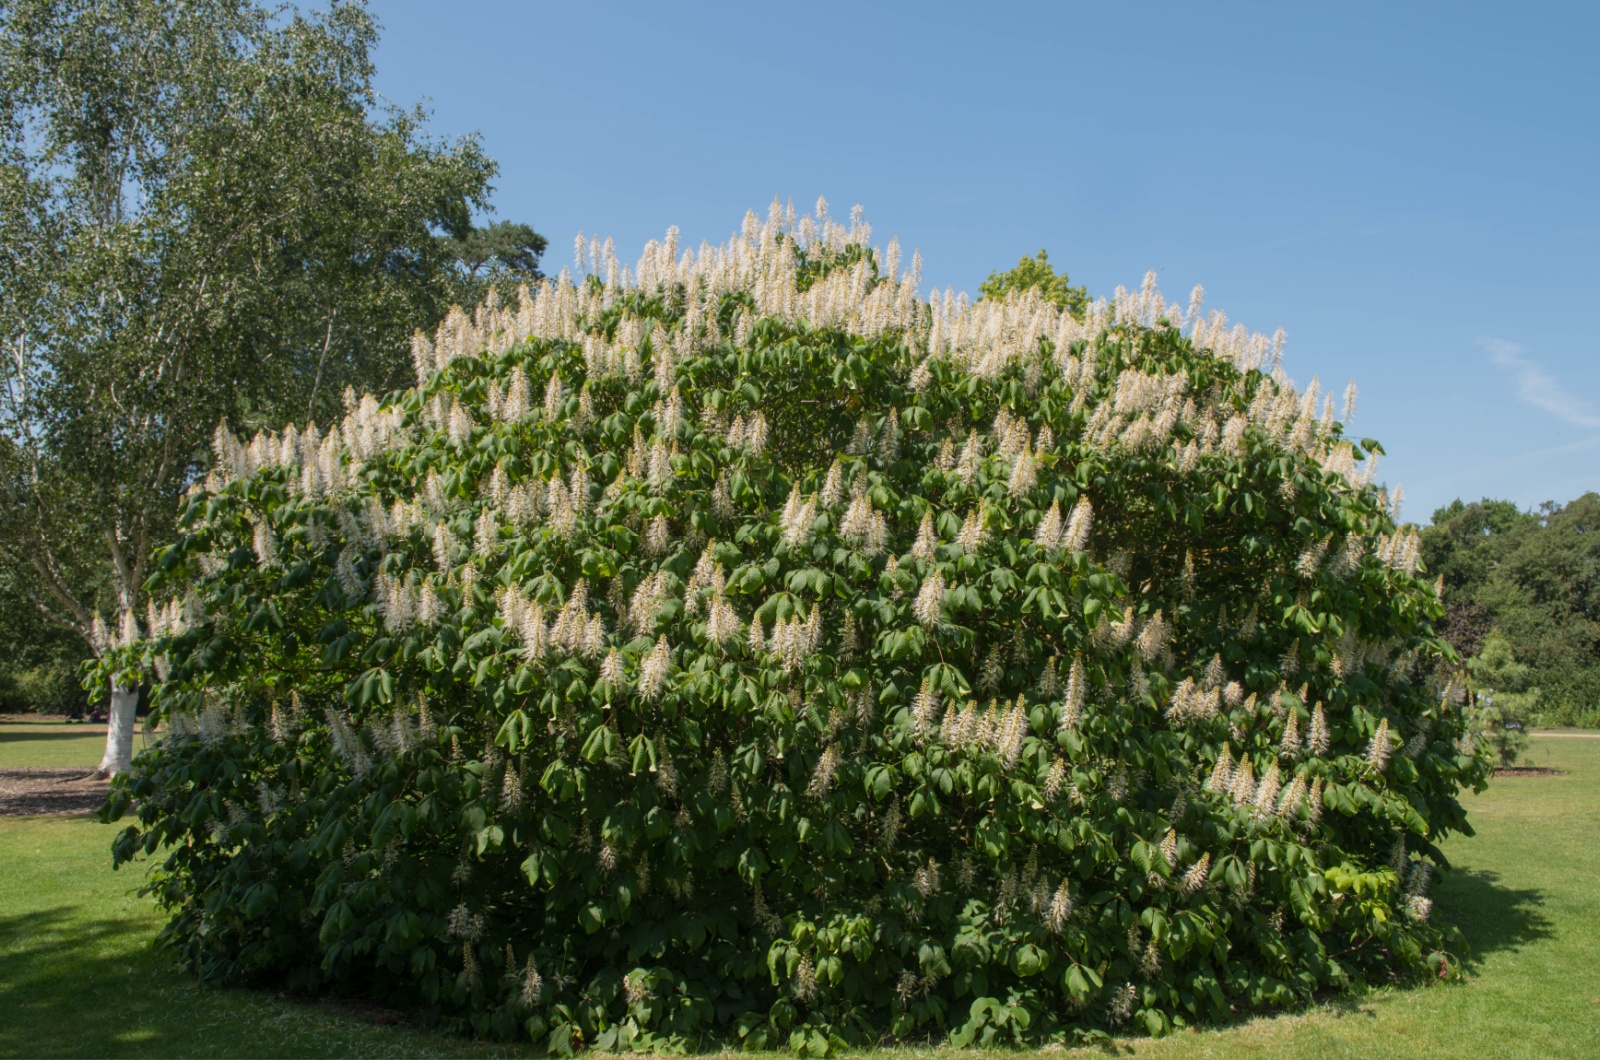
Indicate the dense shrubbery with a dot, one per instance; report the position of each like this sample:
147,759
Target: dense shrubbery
746,649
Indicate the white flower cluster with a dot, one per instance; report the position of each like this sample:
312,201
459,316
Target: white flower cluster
930,600
347,743
1194,702
862,524
655,669
1074,536
1380,748
705,591
869,297
367,429
173,618
1401,551
793,640
1077,692
574,630
822,777
925,708
463,924
749,435
1000,730
403,604
1267,797
797,517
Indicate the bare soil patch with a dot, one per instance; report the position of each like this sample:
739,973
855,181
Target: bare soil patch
1529,771
48,792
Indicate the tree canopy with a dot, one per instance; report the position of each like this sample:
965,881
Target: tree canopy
515,247
207,215
1534,577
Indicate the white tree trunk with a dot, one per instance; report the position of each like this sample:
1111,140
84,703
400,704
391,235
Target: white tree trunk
119,733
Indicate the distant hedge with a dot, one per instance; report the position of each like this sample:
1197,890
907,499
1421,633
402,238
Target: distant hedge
742,648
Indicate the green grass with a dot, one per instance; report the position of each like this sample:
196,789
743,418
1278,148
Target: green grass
53,742
78,978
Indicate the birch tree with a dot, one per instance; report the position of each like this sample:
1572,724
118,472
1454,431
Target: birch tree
208,217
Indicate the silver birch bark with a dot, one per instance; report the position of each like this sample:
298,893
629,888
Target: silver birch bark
119,733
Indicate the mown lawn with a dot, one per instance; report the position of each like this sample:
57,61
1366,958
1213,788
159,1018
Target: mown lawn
78,978
53,742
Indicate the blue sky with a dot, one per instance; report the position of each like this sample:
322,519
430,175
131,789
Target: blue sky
1409,190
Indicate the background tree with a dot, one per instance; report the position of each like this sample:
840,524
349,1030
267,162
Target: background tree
502,257
1036,273
1533,577
209,216
40,668
514,247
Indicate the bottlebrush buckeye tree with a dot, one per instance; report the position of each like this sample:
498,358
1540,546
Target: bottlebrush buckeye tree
742,647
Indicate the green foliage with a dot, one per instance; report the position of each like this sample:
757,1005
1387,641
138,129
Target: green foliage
207,215
40,669
501,257
796,675
51,686
1535,579
515,247
1037,274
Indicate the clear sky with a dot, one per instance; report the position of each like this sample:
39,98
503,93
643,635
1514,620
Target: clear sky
1412,191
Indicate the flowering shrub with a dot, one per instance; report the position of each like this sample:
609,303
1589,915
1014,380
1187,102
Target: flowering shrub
742,648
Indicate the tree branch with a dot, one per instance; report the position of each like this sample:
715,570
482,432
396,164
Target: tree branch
317,382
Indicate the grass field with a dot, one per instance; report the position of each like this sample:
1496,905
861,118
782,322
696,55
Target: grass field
78,978
53,742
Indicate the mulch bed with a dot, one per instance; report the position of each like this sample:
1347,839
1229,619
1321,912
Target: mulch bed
41,792
1530,771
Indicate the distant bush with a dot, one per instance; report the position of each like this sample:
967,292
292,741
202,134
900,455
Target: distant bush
51,687
742,648
40,670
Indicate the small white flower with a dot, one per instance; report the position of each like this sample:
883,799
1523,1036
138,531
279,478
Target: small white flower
1077,690
822,777
658,536
612,671
973,532
1379,750
653,672
1048,535
1076,538
927,541
1023,474
930,600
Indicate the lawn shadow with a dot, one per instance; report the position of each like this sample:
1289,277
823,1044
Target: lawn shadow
30,737
56,960
1491,916
76,983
